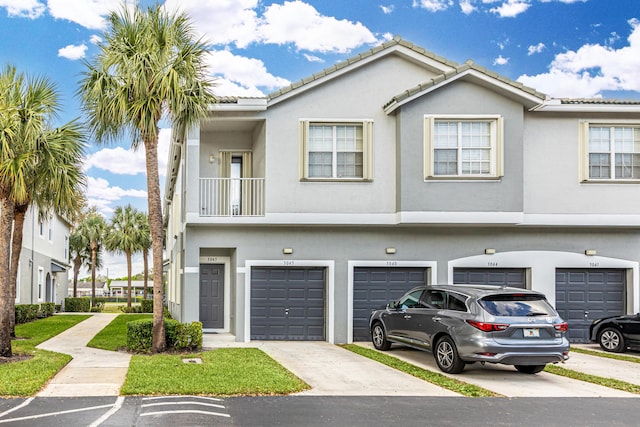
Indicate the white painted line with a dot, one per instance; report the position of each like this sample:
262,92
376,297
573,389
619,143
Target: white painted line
52,414
185,402
215,399
22,405
185,412
116,407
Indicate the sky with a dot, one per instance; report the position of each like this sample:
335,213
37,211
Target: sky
563,48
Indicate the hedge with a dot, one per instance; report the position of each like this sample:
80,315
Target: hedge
179,336
77,305
29,312
146,306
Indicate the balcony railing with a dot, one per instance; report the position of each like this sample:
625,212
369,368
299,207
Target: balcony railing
231,196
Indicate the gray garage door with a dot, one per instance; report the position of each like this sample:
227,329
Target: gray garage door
514,277
374,287
583,295
287,304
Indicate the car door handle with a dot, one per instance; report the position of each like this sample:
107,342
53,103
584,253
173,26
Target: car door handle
407,316
437,319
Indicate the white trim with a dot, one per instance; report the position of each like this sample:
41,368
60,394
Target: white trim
288,263
391,263
543,265
425,217
17,300
40,283
226,261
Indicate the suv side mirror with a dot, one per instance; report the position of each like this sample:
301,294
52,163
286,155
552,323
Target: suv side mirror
393,305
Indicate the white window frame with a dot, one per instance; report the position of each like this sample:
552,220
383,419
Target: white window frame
496,129
367,148
40,227
50,228
18,284
584,136
40,282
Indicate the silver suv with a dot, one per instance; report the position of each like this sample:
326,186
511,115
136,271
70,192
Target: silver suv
463,324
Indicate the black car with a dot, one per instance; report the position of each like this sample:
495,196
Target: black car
616,333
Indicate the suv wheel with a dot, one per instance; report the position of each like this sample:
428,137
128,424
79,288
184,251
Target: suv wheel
610,339
446,355
530,369
379,337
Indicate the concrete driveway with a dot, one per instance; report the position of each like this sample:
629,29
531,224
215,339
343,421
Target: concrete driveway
331,370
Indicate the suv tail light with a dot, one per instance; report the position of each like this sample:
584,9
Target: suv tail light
487,327
562,327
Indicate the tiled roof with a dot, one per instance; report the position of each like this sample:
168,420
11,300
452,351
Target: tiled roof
596,101
468,65
396,41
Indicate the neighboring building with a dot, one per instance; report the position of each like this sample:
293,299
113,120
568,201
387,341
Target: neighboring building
42,274
290,217
118,288
84,289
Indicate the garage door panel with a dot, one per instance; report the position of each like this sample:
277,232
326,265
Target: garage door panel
514,277
374,287
293,307
587,294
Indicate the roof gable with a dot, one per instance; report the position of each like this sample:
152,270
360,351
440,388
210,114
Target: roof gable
470,71
396,46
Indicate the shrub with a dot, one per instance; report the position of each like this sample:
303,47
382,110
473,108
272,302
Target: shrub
47,309
77,305
146,306
132,309
179,336
26,313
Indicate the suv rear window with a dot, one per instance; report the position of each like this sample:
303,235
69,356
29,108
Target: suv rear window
517,305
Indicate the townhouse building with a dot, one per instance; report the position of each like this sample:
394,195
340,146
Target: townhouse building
292,216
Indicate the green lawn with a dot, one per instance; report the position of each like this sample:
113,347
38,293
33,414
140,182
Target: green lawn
223,372
27,377
114,336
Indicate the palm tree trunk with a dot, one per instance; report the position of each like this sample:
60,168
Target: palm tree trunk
128,280
93,274
155,224
77,263
19,213
145,260
7,304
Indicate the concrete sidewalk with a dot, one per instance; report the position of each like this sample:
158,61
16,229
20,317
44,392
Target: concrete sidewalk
92,372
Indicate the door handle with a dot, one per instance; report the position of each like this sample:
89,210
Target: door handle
437,319
407,316
286,312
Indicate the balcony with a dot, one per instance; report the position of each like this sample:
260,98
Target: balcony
231,197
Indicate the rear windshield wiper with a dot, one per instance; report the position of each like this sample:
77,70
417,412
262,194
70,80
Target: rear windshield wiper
537,313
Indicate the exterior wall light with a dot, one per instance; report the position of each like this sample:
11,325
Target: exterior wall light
287,251
211,158
390,250
489,251
590,252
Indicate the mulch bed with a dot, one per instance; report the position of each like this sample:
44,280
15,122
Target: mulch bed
15,358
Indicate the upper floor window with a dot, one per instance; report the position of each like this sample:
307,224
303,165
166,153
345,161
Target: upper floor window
337,150
50,229
613,152
463,147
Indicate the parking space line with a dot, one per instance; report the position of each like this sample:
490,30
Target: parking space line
51,414
22,405
116,407
215,399
185,402
185,412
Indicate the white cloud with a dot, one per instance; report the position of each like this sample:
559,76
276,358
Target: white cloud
500,60
511,8
100,192
222,21
592,69
247,73
537,48
23,8
300,23
387,10
312,58
467,7
88,13
95,39
120,161
73,52
433,5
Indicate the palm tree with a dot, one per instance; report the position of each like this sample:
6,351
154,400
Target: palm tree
142,221
150,67
93,229
79,254
38,164
124,237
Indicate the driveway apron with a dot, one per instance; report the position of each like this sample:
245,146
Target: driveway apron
92,372
507,381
